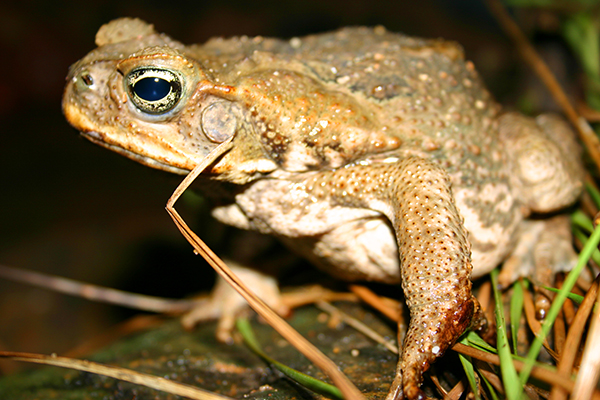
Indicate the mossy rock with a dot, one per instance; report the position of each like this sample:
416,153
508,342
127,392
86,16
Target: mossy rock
197,358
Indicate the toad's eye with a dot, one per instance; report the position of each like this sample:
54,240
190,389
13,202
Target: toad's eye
154,90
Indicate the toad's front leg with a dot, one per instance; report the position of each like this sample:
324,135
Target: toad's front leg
435,260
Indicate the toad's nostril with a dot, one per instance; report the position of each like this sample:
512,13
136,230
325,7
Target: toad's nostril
87,79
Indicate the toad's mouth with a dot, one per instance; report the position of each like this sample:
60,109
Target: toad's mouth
96,138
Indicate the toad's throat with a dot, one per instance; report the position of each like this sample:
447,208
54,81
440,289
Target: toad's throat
96,138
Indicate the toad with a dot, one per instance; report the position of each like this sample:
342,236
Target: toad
377,156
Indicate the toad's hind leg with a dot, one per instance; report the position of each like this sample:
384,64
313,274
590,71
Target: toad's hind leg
435,267
434,251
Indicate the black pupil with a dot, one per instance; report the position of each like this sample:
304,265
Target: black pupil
152,89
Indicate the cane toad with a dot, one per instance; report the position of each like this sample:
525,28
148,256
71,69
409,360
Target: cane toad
376,155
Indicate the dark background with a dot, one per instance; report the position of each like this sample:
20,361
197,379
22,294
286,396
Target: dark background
73,209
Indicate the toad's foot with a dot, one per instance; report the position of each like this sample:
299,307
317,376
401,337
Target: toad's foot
479,324
544,248
225,304
432,331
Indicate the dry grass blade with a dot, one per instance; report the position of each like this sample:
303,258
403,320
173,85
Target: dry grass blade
571,346
456,392
528,52
560,334
589,371
569,311
298,341
358,325
559,328
491,377
97,293
543,374
534,323
312,294
375,301
138,378
485,296
434,378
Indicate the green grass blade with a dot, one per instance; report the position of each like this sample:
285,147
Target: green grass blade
577,298
591,189
581,32
469,370
512,387
516,310
490,388
317,386
558,302
579,224
477,342
579,219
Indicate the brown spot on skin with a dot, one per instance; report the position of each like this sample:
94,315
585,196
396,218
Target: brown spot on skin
430,145
476,150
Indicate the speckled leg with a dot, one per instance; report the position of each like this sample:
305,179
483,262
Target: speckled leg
434,251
